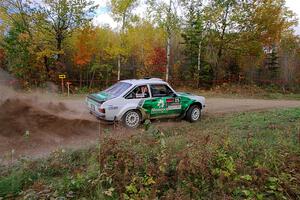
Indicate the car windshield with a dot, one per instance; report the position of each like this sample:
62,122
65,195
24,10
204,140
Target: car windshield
117,89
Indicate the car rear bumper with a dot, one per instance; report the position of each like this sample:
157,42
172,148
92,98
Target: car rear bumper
97,114
101,116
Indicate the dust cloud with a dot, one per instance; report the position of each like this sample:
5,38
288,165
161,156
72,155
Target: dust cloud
34,123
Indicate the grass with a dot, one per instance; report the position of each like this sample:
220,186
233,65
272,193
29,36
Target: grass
236,156
245,91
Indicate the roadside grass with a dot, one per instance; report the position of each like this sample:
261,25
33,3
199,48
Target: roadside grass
236,156
264,95
244,91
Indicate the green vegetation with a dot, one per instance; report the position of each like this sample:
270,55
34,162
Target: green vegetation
244,91
243,156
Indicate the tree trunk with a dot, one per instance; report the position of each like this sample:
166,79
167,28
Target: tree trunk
59,40
106,82
92,79
220,50
168,56
80,80
168,41
119,56
119,67
199,62
47,66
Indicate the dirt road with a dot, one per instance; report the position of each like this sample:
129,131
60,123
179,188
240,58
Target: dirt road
226,105
35,127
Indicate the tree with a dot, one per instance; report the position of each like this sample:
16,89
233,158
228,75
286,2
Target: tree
122,11
263,26
193,35
166,16
289,61
218,39
222,17
58,18
155,63
2,58
16,18
141,41
84,48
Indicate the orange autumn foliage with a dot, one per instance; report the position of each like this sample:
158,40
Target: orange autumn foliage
84,47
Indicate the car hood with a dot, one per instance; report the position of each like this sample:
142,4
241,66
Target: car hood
185,94
192,96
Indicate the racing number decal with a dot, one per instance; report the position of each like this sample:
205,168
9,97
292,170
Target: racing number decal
173,104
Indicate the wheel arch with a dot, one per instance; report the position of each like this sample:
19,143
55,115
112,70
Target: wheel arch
133,109
195,103
192,104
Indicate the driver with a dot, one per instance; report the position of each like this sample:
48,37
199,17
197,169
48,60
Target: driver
142,92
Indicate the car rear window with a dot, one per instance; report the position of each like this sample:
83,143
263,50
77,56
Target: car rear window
118,88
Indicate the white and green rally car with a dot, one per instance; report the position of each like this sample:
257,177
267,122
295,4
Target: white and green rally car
132,101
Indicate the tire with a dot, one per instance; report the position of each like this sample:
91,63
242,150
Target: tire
132,119
193,114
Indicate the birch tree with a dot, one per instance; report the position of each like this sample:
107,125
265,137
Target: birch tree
165,15
193,34
122,12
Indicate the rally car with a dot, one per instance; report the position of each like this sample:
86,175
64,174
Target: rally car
133,101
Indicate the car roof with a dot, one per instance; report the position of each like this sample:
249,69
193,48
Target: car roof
144,81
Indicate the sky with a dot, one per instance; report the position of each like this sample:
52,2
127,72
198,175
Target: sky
103,17
294,5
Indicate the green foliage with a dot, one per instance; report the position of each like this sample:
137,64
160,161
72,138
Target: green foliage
17,51
202,43
122,9
240,156
17,180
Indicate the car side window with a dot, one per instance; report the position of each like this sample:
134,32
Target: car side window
161,90
139,93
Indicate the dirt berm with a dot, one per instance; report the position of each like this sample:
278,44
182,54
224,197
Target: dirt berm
27,127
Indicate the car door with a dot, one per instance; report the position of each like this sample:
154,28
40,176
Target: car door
164,102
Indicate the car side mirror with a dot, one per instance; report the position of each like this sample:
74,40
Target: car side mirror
174,95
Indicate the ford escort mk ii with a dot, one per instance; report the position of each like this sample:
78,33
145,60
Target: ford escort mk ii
132,101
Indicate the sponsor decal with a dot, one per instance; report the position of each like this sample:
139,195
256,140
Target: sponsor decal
163,106
161,103
110,107
173,104
170,100
142,95
158,110
174,107
163,110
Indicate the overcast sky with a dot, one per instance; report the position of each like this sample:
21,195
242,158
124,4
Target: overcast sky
103,16
295,6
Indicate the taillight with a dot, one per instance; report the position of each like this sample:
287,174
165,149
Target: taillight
102,110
